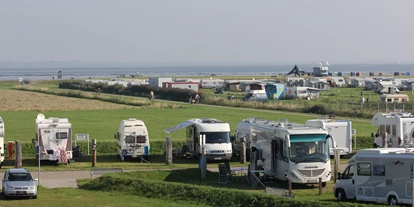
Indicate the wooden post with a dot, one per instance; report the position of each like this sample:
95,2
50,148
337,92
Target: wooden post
203,163
243,151
18,154
93,152
168,151
290,186
320,186
337,158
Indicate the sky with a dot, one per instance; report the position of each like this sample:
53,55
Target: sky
208,32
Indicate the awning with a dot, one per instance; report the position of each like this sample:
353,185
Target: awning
178,126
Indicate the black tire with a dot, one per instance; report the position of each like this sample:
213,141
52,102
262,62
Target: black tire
340,195
392,201
375,145
323,184
35,197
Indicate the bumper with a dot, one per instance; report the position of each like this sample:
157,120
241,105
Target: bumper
20,193
219,156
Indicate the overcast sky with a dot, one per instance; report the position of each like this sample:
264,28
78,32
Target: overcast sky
209,31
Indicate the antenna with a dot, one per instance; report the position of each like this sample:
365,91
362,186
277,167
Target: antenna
40,117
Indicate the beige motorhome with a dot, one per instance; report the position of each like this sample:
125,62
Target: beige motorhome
394,98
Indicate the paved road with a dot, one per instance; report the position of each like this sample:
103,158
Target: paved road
67,179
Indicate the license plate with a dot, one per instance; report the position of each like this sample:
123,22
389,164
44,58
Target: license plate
20,192
312,181
217,158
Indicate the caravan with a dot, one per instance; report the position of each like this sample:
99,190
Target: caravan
54,139
1,142
292,151
378,175
340,130
395,129
213,134
132,139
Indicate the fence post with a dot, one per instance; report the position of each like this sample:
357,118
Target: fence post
243,151
19,154
168,151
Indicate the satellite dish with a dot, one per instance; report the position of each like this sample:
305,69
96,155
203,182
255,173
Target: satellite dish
40,117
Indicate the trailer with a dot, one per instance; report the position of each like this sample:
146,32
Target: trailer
210,133
1,141
395,129
54,139
132,139
292,151
380,175
340,130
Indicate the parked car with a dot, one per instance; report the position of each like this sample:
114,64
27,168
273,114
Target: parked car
18,182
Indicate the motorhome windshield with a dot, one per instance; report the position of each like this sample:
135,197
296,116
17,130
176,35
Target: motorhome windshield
309,148
217,137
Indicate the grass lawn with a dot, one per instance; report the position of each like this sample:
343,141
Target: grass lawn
77,197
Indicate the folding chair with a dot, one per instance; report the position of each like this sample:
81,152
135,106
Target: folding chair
224,174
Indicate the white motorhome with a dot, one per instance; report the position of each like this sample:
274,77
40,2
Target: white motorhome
1,142
378,175
295,151
340,130
53,139
394,129
213,134
132,139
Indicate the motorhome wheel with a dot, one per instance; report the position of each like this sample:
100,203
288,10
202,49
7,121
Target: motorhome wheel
340,195
392,201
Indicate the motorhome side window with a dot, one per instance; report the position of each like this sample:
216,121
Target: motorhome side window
61,135
378,170
388,129
364,168
394,130
348,173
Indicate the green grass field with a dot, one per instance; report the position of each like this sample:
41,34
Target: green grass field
103,124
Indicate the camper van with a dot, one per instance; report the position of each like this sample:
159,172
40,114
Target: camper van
54,139
243,131
256,95
294,151
132,139
340,130
395,129
211,133
381,175
1,142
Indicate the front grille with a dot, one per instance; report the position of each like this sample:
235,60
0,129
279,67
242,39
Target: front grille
216,151
21,188
312,173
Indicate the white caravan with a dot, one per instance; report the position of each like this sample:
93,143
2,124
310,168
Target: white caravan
132,139
55,139
1,142
291,150
340,130
243,131
213,134
395,129
378,175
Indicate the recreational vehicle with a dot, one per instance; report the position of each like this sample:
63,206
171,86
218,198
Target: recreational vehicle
378,175
210,133
1,142
132,139
340,130
395,129
256,95
294,151
53,139
243,131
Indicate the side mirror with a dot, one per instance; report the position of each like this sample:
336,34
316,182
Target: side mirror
33,141
339,176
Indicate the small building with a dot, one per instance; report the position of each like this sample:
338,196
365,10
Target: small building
158,82
232,85
394,98
319,84
302,93
195,86
275,91
252,85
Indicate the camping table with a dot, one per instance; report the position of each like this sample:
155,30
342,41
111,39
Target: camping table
239,171
257,178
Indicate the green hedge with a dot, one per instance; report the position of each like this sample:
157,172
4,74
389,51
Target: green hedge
201,194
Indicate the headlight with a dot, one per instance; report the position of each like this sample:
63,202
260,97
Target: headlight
31,188
228,151
10,188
